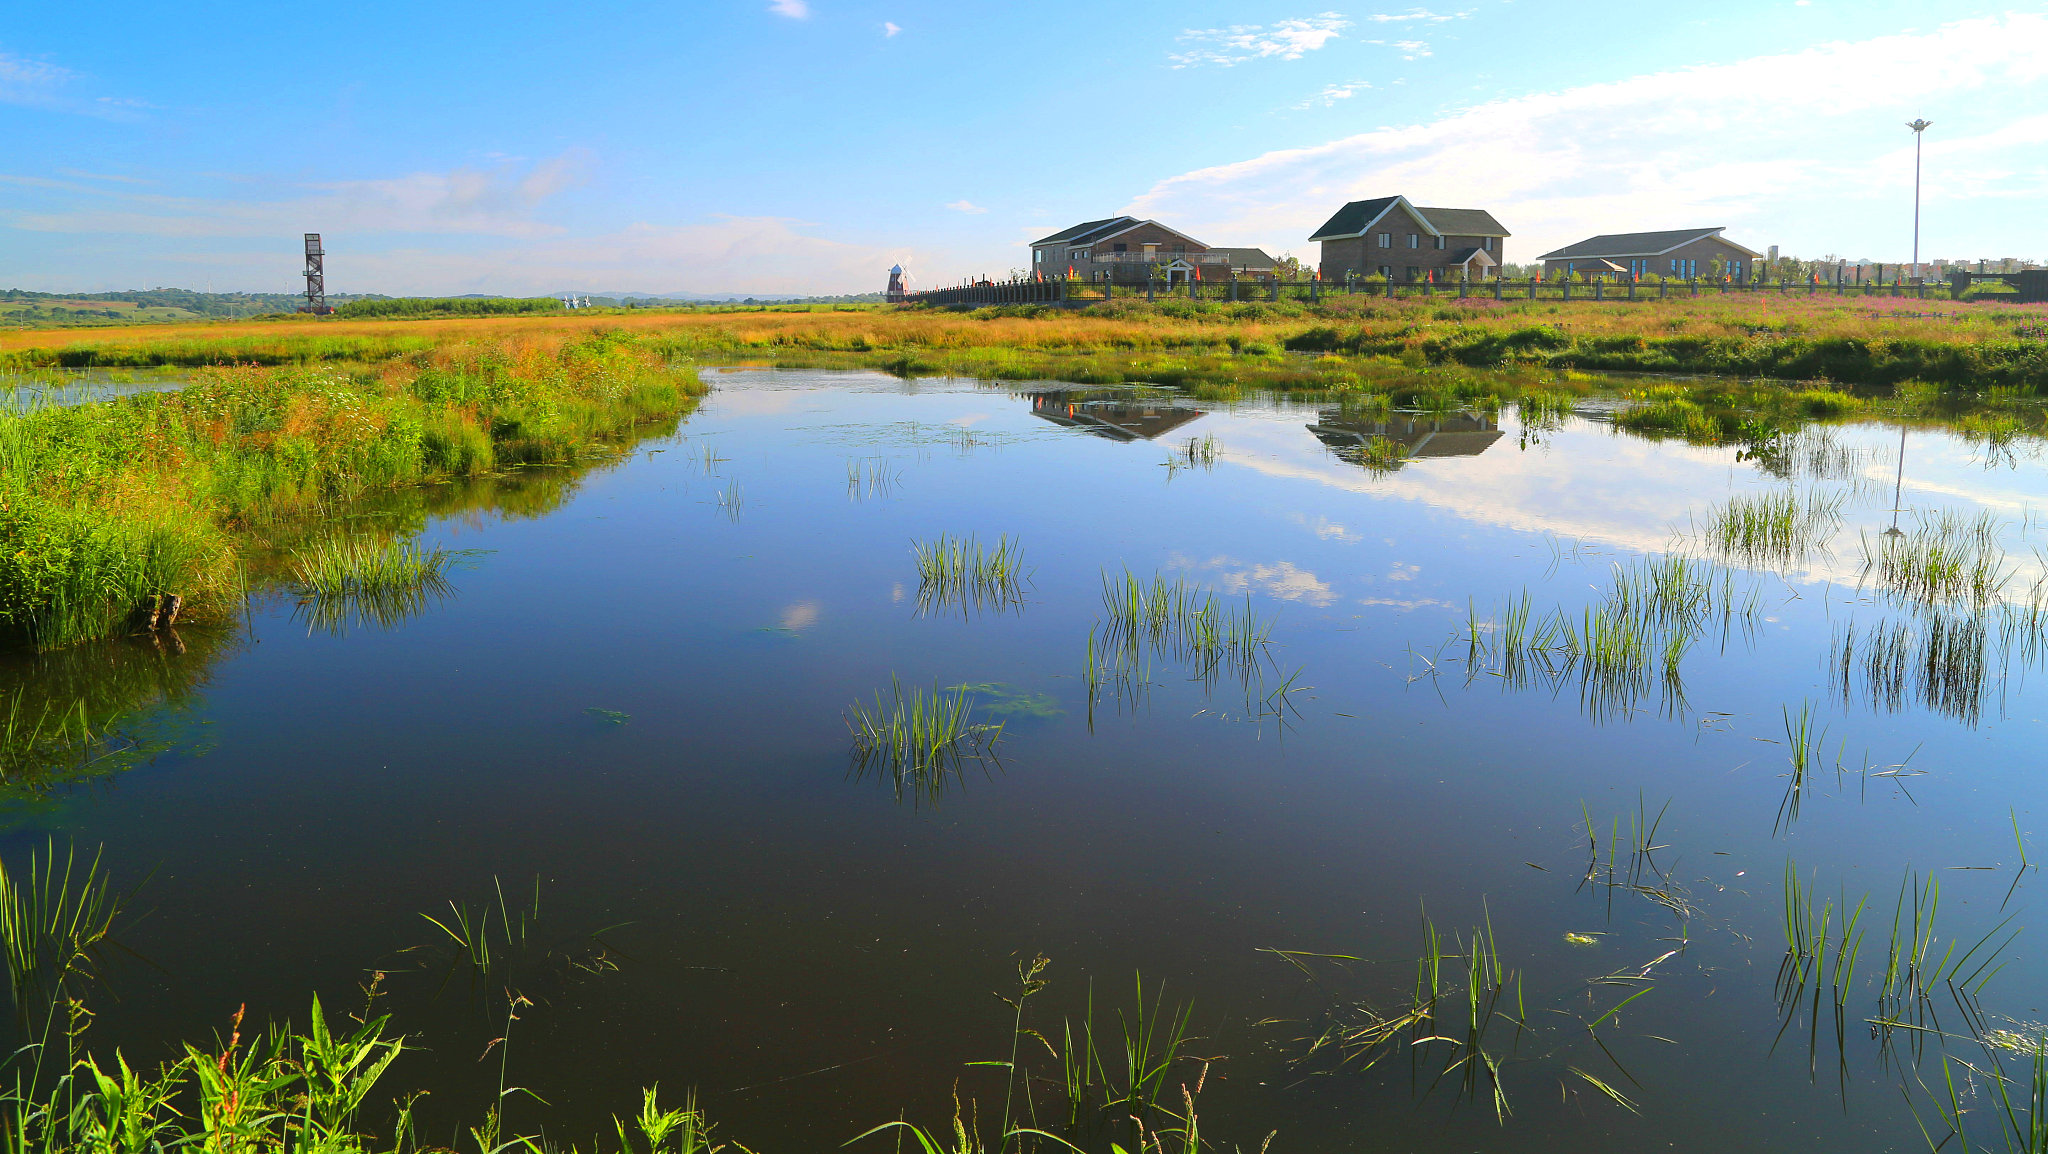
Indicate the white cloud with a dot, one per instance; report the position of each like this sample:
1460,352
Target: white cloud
1282,580
890,29
966,206
40,84
794,9
1332,93
1285,40
1416,16
1725,144
1409,49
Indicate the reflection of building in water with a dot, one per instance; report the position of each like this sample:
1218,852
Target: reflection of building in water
1116,415
1449,435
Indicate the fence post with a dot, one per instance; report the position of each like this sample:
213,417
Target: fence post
1600,290
1567,283
1532,288
1148,284
1631,287
1498,289
1276,285
1233,288
1315,289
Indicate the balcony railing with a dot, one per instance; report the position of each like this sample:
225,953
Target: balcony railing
1160,257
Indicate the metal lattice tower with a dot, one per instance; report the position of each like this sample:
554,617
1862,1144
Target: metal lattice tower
316,276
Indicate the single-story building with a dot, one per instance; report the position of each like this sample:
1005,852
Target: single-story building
1684,253
1392,238
1127,250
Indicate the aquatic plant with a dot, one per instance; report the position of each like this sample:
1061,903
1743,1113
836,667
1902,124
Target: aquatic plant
918,740
1946,558
1777,528
961,572
364,566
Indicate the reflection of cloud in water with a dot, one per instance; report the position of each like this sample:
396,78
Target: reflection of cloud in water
1325,528
800,616
1419,603
1282,580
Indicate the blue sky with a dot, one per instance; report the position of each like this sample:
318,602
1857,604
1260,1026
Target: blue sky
805,145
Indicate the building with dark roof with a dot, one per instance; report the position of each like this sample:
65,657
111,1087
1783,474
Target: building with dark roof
1685,253
1392,238
1128,250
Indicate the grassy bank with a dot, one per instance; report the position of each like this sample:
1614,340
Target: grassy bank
1957,345
110,507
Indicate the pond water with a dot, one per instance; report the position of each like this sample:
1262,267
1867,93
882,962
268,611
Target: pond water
20,391
636,701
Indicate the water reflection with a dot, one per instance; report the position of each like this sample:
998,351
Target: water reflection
85,712
1117,414
1351,434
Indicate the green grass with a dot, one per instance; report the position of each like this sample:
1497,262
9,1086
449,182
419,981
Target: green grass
105,507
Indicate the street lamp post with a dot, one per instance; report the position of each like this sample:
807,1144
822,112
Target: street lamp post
1918,127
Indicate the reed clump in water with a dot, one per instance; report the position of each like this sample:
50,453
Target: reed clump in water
961,572
1778,528
365,566
1623,646
918,740
1946,558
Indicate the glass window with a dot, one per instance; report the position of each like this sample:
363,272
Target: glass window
1441,241
1414,241
1386,240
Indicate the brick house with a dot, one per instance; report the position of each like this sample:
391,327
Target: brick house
1391,238
1127,250
1683,253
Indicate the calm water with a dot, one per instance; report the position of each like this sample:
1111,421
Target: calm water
637,697
81,386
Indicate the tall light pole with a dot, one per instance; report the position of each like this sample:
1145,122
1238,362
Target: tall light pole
1918,127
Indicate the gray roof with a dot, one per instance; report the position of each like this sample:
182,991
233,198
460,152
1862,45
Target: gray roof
1353,219
1245,257
1463,221
1080,233
1628,244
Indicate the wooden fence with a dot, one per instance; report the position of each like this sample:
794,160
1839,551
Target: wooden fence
1062,291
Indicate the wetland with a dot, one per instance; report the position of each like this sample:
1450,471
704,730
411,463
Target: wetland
1493,758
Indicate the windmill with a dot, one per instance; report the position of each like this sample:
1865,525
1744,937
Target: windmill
897,280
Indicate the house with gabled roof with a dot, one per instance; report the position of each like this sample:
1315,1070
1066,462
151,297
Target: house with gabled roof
1684,253
1391,238
1128,250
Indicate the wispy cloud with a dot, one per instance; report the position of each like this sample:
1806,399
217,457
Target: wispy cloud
967,206
1416,16
1708,145
499,200
1285,40
1332,93
1409,49
41,84
890,28
794,9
